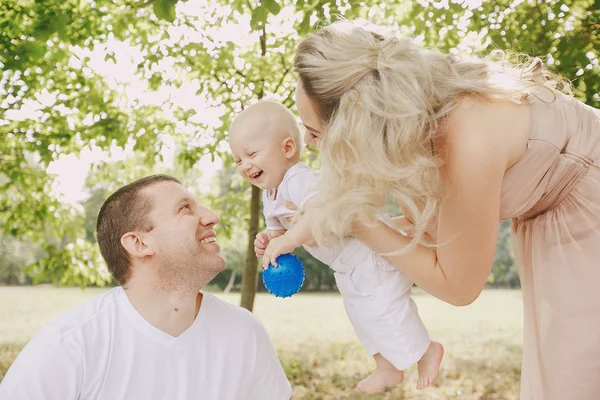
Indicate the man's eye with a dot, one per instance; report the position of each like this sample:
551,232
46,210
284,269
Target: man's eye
185,206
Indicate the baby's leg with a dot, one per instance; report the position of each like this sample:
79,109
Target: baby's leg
385,375
429,365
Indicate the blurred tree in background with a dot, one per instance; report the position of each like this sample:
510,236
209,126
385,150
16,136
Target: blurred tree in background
194,64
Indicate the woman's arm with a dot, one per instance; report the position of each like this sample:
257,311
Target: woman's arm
467,225
299,234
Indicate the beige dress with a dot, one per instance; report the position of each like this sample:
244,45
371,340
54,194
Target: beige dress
553,196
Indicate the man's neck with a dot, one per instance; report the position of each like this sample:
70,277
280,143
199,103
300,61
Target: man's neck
173,312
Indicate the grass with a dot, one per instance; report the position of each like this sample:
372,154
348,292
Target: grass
318,349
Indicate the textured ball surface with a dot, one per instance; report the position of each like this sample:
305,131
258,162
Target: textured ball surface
287,278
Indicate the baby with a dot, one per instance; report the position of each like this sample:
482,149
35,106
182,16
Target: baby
266,144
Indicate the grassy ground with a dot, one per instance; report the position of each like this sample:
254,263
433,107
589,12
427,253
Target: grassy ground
317,346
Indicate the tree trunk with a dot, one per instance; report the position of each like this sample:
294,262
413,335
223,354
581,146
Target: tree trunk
249,280
231,282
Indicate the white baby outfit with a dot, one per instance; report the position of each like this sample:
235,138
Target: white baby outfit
376,294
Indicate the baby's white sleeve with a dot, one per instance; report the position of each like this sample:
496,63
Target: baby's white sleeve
300,187
273,224
271,221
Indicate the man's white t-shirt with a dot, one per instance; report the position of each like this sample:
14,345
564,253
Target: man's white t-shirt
105,349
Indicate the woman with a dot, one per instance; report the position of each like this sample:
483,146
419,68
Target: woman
462,144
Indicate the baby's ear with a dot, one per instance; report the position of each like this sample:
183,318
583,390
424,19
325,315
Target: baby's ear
289,147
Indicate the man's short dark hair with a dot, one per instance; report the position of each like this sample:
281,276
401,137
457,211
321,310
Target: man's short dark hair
125,210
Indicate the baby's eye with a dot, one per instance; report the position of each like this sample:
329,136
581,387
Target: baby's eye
238,162
252,154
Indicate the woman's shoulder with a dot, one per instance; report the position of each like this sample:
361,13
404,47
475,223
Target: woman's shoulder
494,126
478,111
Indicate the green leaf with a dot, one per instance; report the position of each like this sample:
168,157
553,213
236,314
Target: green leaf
155,81
259,18
272,6
110,56
34,49
165,9
42,31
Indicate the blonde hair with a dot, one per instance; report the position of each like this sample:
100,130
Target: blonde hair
382,99
272,115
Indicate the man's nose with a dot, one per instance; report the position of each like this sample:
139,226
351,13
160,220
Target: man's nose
208,217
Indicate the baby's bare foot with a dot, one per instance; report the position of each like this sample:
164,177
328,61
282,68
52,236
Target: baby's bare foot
429,365
379,379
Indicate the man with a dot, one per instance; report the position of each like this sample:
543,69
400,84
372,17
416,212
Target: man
157,336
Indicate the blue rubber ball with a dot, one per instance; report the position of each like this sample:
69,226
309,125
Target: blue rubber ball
287,278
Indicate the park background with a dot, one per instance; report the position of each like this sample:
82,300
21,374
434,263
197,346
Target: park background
94,94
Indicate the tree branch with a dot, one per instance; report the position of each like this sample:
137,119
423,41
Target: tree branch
286,70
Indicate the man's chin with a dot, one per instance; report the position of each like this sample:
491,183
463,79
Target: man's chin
220,262
217,264
223,263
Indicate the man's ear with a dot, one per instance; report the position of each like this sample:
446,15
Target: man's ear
289,147
135,245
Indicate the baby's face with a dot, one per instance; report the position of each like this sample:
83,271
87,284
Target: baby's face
260,156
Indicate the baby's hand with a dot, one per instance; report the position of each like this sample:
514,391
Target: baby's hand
260,243
262,240
277,246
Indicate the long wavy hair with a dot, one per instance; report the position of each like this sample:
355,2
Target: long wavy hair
382,100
